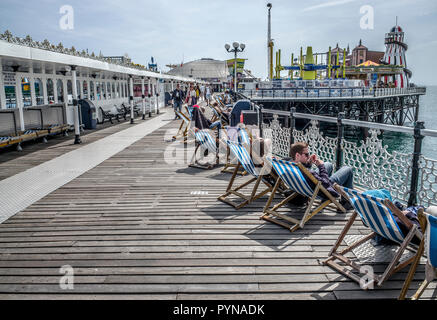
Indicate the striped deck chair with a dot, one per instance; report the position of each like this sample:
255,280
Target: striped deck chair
241,137
429,246
184,127
219,115
205,141
259,177
28,135
4,141
377,215
293,176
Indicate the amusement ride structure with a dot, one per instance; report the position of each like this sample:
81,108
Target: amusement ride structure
395,55
367,85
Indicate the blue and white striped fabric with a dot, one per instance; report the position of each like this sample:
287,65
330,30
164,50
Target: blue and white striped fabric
214,111
206,141
431,240
243,136
232,133
243,157
292,176
4,139
375,215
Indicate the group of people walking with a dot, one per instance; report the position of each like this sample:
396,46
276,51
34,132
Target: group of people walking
192,95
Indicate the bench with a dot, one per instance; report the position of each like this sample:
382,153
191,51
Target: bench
117,112
107,115
137,110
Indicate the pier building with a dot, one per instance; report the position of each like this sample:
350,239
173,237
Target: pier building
365,85
37,73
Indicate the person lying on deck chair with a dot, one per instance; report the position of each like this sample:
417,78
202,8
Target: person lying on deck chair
201,122
344,176
222,111
411,213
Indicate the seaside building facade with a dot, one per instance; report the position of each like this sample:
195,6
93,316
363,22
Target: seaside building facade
39,73
209,70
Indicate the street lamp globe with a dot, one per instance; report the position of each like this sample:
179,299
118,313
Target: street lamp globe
235,45
227,47
242,46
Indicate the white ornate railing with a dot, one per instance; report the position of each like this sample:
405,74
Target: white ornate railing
46,45
374,166
332,92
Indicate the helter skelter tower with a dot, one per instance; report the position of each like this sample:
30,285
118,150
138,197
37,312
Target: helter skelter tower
395,55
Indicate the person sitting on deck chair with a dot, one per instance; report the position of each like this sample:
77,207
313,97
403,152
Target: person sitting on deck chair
201,122
344,176
411,213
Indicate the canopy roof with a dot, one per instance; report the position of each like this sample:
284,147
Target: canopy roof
368,63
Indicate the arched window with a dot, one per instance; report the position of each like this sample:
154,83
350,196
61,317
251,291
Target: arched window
85,89
108,90
103,86
25,91
113,91
118,90
60,89
50,91
126,90
99,92
39,94
70,91
78,90
10,97
91,90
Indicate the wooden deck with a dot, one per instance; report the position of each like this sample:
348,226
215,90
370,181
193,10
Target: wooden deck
133,227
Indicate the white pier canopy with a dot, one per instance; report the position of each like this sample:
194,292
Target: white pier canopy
38,73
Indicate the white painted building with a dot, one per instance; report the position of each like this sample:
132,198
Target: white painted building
34,73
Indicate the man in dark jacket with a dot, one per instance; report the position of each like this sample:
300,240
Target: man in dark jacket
177,96
344,176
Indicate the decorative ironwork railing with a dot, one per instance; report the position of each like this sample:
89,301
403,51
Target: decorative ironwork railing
411,178
332,92
46,45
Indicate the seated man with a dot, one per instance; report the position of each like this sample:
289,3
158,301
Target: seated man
201,122
221,111
343,177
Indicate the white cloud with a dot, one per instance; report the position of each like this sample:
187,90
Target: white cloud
327,4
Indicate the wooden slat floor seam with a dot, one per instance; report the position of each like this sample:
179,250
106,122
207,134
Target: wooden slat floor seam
131,228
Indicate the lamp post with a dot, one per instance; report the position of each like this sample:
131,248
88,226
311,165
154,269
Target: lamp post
237,48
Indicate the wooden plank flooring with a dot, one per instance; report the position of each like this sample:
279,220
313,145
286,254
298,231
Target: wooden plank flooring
131,228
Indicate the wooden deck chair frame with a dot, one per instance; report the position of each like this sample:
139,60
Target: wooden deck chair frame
430,271
394,266
290,223
230,167
218,115
184,127
235,190
194,163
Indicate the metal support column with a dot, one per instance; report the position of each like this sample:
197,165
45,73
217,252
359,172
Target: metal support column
75,107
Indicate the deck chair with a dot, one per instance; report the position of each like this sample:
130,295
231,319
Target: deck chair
429,246
4,141
204,141
184,127
378,215
242,137
244,160
293,176
219,115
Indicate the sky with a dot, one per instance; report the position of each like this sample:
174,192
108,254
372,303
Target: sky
174,31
